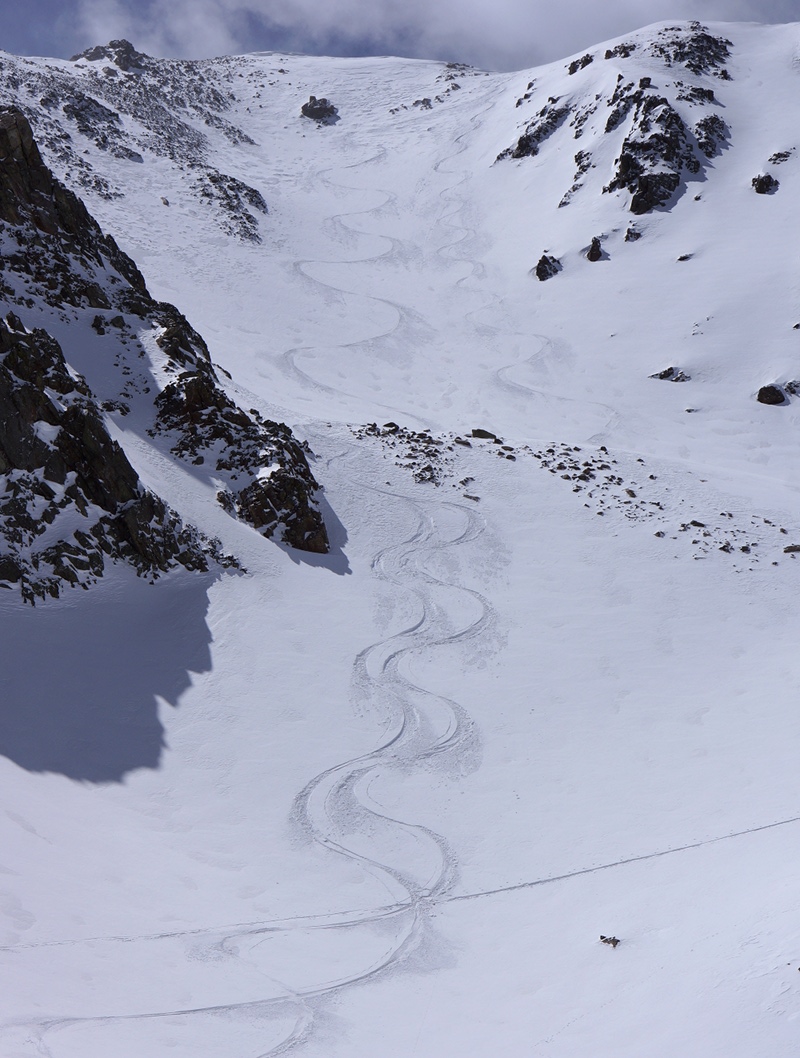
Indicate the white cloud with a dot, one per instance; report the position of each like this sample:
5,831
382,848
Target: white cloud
501,34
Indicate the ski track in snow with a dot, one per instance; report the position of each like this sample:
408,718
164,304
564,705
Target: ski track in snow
337,805
288,360
340,808
423,728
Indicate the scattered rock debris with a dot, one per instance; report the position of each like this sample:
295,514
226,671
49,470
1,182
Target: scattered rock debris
610,486
613,941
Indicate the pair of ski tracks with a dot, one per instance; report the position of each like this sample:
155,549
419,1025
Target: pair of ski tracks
422,729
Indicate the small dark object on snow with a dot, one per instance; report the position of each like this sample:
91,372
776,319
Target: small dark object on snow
547,267
390,427
632,234
595,251
484,434
319,109
613,941
792,549
764,184
672,374
771,395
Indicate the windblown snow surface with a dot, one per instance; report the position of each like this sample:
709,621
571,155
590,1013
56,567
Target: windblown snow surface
387,801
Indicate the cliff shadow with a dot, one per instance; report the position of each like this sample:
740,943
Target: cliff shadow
80,677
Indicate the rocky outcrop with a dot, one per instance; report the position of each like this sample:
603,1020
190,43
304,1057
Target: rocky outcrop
131,106
547,267
321,110
268,482
660,148
595,251
580,64
765,184
38,207
120,52
672,374
58,464
549,118
694,47
654,154
69,498
712,134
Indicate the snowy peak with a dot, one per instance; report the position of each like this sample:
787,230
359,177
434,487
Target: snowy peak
120,52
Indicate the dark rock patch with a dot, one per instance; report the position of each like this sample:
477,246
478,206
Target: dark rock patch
672,374
69,498
546,122
547,267
321,110
580,64
771,395
765,184
621,51
712,134
121,52
654,155
694,47
595,251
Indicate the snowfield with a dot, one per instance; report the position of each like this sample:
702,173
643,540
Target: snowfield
543,689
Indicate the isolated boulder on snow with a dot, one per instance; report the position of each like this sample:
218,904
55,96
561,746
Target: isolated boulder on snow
771,395
764,184
547,267
672,374
595,251
319,109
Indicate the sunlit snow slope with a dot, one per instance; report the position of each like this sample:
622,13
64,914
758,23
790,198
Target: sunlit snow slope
386,801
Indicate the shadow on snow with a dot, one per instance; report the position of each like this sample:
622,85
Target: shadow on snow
81,696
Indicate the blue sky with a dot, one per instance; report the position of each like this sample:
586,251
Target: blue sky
494,34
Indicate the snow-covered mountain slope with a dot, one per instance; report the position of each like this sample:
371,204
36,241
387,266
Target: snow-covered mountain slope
387,800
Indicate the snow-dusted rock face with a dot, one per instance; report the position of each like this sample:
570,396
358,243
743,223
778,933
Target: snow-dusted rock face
69,493
130,106
69,498
661,146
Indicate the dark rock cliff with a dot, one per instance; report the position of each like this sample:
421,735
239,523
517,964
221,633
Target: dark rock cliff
69,497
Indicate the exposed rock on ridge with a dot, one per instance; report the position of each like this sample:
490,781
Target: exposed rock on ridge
132,106
69,498
59,468
661,144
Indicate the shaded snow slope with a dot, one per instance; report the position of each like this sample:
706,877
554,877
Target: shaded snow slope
542,689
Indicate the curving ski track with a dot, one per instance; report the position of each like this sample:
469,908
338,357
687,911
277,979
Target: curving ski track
337,806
